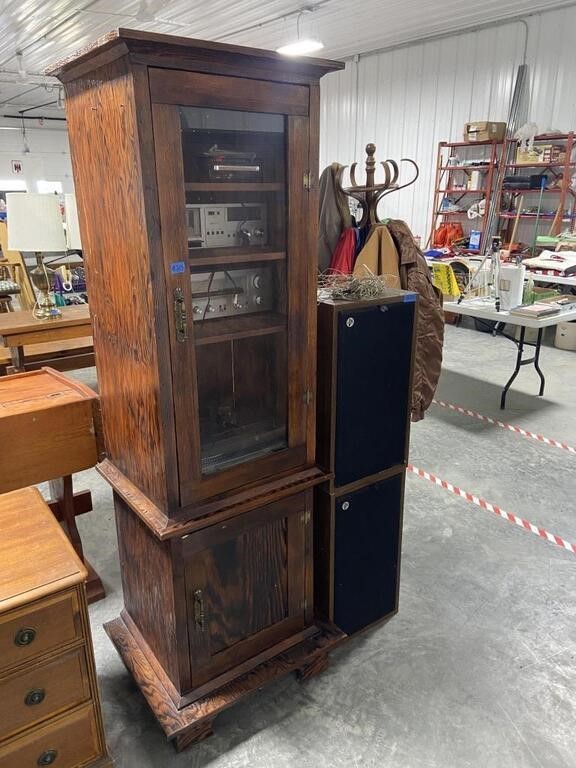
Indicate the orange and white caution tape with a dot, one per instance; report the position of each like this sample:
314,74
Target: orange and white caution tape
480,502
504,425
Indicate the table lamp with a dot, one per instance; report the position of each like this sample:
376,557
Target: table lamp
73,241
35,224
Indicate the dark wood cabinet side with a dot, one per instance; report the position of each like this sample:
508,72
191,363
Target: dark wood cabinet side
112,153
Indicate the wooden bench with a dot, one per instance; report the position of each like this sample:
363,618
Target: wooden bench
65,355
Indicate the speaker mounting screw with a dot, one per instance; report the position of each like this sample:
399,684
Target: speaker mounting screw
346,505
383,308
350,322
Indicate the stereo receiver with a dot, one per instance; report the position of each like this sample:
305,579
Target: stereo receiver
229,292
226,225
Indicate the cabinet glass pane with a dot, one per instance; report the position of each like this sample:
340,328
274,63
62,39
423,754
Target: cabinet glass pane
235,182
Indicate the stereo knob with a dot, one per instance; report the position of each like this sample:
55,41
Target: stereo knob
258,300
257,281
196,309
211,309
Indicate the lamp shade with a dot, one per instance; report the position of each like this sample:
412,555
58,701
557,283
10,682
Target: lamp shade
34,222
72,228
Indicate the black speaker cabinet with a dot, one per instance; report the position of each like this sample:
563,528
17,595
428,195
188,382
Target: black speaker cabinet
357,540
365,361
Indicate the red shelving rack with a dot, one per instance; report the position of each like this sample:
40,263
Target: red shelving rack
508,197
450,170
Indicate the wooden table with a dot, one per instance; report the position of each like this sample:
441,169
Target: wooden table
21,329
483,309
50,429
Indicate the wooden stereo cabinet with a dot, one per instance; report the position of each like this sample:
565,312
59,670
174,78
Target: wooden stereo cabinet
195,168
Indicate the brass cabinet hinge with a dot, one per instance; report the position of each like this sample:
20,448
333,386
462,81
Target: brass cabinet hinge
306,517
307,180
307,397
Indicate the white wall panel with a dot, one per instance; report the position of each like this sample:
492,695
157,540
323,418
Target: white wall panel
408,99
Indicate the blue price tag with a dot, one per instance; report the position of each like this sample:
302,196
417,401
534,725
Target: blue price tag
409,298
178,267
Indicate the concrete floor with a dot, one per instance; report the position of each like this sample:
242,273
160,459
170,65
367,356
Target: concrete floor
478,670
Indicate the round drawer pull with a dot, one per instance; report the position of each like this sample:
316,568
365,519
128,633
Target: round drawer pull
48,757
34,697
25,636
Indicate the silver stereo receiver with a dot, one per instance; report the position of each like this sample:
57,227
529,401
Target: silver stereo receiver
223,293
226,225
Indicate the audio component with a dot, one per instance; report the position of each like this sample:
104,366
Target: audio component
226,225
229,292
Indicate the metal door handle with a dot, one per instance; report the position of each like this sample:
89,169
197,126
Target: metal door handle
199,610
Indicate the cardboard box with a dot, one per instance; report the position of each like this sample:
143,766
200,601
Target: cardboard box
484,131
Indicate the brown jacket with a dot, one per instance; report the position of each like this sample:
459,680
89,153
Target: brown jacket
334,215
415,276
379,257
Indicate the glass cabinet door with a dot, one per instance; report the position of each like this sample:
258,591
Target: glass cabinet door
241,384
235,197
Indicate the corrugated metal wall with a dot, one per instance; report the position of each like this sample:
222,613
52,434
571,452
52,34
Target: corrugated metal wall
409,99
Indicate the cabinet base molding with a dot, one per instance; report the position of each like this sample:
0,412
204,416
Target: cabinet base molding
194,722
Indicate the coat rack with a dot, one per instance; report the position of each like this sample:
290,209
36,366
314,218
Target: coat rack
370,194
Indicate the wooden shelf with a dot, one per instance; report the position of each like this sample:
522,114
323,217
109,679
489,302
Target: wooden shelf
465,168
468,143
528,191
219,329
462,191
208,257
235,186
540,165
534,216
452,213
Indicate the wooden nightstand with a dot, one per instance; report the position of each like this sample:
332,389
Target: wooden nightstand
49,704
52,425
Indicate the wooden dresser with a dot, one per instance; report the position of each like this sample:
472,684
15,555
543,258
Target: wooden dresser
49,706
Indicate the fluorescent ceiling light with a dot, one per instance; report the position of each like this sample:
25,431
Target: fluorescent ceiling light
300,47
8,128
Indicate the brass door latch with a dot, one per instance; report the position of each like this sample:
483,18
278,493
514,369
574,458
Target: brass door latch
199,610
180,315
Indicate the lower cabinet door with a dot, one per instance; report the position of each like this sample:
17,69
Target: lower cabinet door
358,539
248,586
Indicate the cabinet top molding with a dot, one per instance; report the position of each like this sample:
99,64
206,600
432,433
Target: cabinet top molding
150,48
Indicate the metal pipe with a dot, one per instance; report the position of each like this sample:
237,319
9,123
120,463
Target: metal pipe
33,117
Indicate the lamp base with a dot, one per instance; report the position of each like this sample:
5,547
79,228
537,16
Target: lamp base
43,280
47,308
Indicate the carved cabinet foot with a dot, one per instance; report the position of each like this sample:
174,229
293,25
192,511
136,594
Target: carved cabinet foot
315,667
193,735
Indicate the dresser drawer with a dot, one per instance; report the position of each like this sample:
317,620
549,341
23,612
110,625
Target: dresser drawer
67,742
33,695
40,627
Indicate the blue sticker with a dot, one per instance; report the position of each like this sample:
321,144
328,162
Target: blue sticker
409,298
178,267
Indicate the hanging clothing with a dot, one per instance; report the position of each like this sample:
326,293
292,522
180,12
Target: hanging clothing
342,261
379,257
415,276
334,215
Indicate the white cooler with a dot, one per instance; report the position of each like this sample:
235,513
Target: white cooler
565,336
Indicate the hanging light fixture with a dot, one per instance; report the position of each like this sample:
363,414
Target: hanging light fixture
26,146
301,46
20,65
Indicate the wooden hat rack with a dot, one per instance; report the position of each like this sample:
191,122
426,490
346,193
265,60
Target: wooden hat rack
370,194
